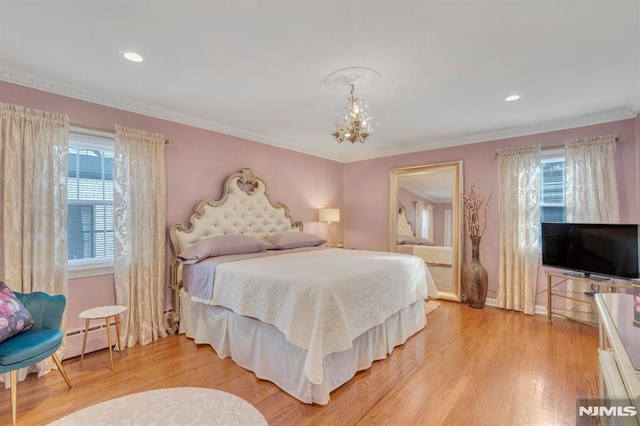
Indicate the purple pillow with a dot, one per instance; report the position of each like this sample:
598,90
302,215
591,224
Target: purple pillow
14,317
221,245
417,241
293,239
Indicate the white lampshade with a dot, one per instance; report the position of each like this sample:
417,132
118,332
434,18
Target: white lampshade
329,215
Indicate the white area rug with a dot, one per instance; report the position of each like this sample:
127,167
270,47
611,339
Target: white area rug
171,406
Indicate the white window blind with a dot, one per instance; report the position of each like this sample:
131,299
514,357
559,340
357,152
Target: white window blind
90,198
552,195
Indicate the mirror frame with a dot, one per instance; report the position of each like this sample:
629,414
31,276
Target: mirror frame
394,175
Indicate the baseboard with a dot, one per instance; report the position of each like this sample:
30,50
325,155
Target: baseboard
538,309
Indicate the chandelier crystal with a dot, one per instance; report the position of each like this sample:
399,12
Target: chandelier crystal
355,126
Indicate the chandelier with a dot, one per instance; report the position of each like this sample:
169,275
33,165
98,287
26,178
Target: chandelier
355,126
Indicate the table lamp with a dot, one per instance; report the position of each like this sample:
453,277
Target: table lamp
329,215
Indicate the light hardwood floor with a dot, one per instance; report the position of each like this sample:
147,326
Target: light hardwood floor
467,367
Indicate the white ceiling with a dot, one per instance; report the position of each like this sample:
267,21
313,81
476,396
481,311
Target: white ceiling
435,185
256,68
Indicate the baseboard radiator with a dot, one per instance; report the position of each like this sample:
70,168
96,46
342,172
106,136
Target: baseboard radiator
96,339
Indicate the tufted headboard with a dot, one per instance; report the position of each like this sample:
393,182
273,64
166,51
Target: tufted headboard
404,225
244,208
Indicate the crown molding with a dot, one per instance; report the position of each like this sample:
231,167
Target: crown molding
514,132
26,80
23,79
635,109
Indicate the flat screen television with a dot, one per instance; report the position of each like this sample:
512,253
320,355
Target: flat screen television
592,249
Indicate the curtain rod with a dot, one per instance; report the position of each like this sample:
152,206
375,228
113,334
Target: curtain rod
547,148
617,139
97,129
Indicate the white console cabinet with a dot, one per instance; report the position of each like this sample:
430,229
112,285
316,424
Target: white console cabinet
619,354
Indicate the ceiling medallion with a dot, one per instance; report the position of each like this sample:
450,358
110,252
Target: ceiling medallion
355,124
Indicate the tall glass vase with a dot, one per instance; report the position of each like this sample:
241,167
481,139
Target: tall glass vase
475,277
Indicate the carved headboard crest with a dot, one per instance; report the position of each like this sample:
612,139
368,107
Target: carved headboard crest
248,181
404,225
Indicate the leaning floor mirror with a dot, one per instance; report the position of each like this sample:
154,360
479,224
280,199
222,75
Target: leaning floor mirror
425,220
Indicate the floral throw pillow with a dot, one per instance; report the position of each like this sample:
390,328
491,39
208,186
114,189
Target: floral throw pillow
14,317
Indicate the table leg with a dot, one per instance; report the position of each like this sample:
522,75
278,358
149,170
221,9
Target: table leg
549,301
13,375
118,333
109,342
84,340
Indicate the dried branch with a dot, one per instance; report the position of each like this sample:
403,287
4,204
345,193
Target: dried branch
473,205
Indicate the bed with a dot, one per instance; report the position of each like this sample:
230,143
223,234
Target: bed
439,259
300,315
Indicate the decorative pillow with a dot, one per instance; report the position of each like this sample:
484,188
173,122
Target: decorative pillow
416,241
404,237
293,239
14,317
221,245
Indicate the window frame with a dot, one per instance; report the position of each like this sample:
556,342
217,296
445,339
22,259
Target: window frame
103,141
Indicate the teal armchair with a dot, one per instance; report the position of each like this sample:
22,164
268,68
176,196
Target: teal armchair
42,341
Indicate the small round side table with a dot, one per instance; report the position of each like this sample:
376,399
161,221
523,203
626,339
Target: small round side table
102,312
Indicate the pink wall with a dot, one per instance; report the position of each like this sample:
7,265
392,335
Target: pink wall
366,205
197,162
85,293
637,194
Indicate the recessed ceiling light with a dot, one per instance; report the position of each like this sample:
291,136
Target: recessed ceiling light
512,98
133,56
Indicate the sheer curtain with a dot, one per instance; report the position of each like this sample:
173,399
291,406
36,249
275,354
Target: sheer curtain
419,219
428,213
591,186
139,233
448,228
33,204
424,220
591,190
519,223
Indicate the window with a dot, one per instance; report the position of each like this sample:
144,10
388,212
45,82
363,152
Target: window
90,202
425,225
552,196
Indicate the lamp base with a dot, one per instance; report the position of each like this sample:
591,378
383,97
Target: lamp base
328,236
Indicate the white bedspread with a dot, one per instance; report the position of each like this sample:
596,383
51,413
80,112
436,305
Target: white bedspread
438,255
321,300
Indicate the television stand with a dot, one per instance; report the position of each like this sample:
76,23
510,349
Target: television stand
586,276
585,311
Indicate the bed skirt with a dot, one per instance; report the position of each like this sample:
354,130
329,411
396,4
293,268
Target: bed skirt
263,349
